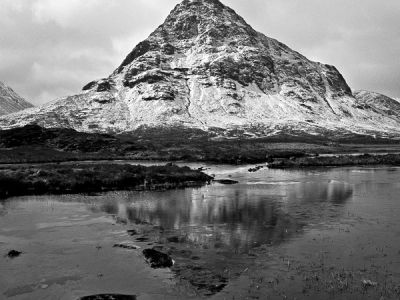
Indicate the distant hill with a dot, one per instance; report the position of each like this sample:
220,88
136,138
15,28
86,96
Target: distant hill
381,104
10,101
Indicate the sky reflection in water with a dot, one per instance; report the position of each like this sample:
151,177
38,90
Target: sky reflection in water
238,217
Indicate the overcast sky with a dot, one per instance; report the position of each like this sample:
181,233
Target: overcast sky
51,48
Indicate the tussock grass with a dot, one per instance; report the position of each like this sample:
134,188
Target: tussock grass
86,178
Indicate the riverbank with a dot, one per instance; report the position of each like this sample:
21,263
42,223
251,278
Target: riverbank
34,144
335,161
90,178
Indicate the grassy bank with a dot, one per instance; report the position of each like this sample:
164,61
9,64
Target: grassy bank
33,143
336,161
85,178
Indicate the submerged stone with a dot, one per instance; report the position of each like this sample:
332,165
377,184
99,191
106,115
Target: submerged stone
226,181
255,169
126,245
14,253
157,259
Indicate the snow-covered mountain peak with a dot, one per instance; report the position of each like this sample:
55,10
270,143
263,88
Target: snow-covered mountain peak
205,67
199,26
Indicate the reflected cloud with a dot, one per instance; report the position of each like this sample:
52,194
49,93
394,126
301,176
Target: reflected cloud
331,191
237,217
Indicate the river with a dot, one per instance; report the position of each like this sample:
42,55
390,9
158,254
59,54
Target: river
328,233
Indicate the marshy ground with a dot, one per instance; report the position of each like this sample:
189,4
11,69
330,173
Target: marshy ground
94,177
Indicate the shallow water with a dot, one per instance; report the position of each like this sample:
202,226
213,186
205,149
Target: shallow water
272,234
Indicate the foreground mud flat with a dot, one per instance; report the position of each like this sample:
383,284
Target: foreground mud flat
315,234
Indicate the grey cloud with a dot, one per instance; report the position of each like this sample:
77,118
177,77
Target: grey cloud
52,48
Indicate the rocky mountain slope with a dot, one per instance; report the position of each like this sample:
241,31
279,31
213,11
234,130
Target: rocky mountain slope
206,68
10,101
379,103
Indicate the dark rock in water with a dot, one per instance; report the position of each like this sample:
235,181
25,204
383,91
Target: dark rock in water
132,232
226,181
109,297
126,245
157,259
255,169
175,239
14,253
142,239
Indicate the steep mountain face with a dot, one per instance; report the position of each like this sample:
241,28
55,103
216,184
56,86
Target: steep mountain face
205,67
10,101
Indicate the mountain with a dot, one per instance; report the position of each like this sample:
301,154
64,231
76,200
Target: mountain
378,103
10,101
206,68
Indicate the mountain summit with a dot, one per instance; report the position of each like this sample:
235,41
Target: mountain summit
205,67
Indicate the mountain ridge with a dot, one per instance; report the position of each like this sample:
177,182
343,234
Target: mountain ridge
205,67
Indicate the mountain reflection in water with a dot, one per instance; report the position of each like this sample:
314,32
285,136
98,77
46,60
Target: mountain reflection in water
237,217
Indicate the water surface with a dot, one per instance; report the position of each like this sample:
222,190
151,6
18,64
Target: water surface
278,227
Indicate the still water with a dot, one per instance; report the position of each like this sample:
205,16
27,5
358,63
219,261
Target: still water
284,225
